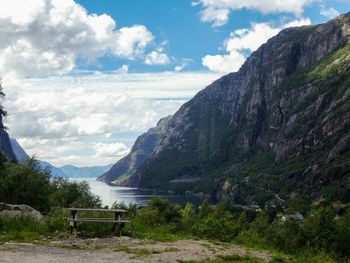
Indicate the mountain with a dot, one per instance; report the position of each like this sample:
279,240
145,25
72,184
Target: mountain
280,126
85,172
22,157
5,143
20,154
55,172
143,147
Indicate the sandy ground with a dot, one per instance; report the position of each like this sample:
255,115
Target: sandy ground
119,249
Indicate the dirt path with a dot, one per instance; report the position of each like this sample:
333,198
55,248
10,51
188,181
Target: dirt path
120,250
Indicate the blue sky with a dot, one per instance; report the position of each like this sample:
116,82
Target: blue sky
84,78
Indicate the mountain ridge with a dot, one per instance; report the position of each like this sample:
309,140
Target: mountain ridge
144,145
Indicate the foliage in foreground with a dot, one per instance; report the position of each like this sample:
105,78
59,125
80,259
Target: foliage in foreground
29,184
322,232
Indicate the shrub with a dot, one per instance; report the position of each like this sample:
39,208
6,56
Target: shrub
218,225
24,184
320,228
72,194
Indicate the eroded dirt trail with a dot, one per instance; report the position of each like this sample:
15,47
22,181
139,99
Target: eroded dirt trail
120,250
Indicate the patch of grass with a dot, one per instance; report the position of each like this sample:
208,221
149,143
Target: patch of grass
227,258
22,229
142,252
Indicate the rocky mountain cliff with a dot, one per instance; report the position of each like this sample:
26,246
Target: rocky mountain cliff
121,172
19,152
22,157
280,125
5,144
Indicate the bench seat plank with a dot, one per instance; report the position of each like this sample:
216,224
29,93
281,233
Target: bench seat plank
98,210
99,220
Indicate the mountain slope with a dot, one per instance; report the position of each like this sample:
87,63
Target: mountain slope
5,143
85,172
279,125
56,172
21,155
141,150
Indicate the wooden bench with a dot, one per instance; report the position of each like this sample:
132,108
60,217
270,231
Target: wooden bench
116,220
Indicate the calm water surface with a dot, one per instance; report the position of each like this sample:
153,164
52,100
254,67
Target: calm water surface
127,195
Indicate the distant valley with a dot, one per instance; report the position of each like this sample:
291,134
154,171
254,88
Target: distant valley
66,171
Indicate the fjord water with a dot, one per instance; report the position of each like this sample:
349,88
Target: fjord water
111,194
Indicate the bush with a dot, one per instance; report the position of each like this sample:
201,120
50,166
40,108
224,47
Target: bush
168,212
341,243
320,228
218,225
72,194
24,184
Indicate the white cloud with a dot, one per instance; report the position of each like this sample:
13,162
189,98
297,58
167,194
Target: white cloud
224,63
62,119
111,150
157,58
242,41
329,12
217,12
132,41
123,69
184,63
43,37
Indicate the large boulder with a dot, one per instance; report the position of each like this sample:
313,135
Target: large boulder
11,211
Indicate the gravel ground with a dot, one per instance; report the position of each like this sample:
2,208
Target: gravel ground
119,250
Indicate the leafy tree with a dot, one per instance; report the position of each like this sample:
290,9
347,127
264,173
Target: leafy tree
24,184
72,194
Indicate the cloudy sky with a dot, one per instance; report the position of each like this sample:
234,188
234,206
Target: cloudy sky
84,78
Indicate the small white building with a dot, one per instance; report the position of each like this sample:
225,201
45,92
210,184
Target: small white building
292,217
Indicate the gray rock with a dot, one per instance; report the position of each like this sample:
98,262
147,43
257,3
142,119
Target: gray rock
11,211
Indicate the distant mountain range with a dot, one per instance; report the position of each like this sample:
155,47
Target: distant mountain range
79,172
66,171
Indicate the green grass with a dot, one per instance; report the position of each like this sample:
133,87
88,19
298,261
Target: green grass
228,258
22,229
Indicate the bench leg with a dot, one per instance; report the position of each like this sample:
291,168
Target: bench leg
120,226
75,228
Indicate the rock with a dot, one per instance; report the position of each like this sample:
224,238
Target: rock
7,210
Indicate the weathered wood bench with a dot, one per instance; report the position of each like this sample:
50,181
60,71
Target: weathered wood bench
116,221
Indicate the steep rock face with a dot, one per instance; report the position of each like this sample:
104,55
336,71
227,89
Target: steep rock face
141,150
20,154
279,124
22,157
5,143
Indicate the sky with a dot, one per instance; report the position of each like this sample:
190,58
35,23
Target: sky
84,78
